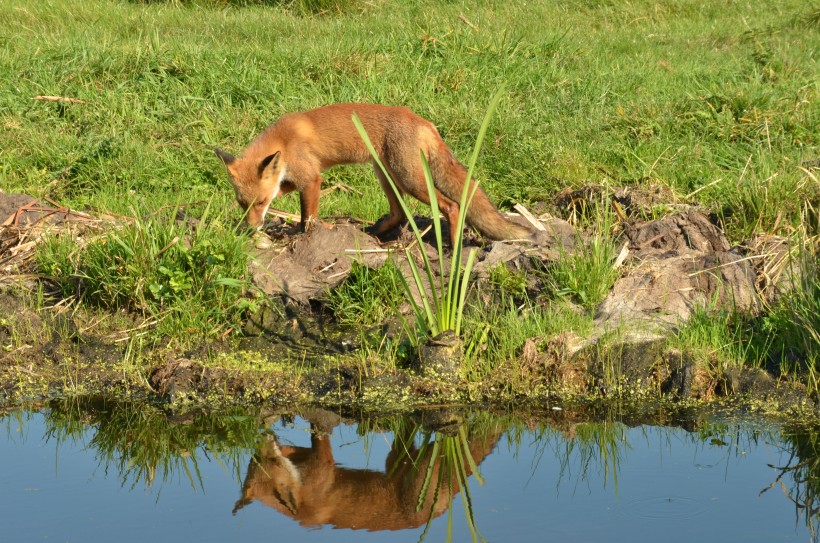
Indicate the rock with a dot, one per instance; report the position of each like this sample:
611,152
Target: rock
680,233
629,360
677,265
757,383
441,357
681,378
314,261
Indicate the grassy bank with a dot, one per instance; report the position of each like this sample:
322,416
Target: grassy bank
708,103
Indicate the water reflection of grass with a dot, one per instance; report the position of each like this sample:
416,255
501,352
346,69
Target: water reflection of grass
799,476
446,460
142,443
592,447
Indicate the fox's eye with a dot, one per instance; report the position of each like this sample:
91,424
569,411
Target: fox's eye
260,203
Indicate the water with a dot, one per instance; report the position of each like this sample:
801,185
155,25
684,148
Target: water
97,471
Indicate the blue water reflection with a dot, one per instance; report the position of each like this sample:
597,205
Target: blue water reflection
246,477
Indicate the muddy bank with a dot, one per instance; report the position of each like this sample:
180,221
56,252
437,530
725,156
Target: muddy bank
292,351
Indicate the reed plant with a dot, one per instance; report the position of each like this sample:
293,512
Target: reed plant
442,309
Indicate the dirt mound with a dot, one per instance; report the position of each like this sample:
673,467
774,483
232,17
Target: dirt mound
305,266
676,265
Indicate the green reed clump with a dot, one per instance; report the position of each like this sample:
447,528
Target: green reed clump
442,309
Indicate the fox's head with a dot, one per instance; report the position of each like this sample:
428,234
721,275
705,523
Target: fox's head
256,182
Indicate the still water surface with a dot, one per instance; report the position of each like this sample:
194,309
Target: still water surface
96,471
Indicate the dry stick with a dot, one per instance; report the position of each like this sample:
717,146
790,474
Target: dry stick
464,20
284,215
808,172
706,186
145,324
621,256
170,244
342,187
650,241
752,257
365,251
424,233
338,274
530,219
59,99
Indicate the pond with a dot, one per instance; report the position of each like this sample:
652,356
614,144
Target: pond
94,470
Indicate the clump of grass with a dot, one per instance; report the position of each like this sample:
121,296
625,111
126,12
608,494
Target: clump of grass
495,334
718,340
794,323
190,279
587,274
368,296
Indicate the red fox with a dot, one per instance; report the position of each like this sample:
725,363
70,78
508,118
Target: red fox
292,153
306,484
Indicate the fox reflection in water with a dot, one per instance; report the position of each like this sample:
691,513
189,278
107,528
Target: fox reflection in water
305,483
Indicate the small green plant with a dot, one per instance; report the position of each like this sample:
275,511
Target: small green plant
588,273
511,282
367,296
442,310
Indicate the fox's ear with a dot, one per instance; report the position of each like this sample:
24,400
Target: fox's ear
270,161
227,158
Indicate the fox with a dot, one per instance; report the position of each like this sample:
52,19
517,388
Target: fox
292,153
307,485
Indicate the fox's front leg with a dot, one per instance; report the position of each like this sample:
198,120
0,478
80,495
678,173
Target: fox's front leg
309,203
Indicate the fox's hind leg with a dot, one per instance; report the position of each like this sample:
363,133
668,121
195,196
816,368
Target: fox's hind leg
396,214
447,206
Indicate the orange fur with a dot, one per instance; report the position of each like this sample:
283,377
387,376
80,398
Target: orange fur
292,153
306,484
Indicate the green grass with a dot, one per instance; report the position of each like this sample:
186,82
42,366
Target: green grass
367,297
679,92
719,339
495,334
189,278
587,272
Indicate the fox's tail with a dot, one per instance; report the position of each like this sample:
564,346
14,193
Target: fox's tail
482,215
